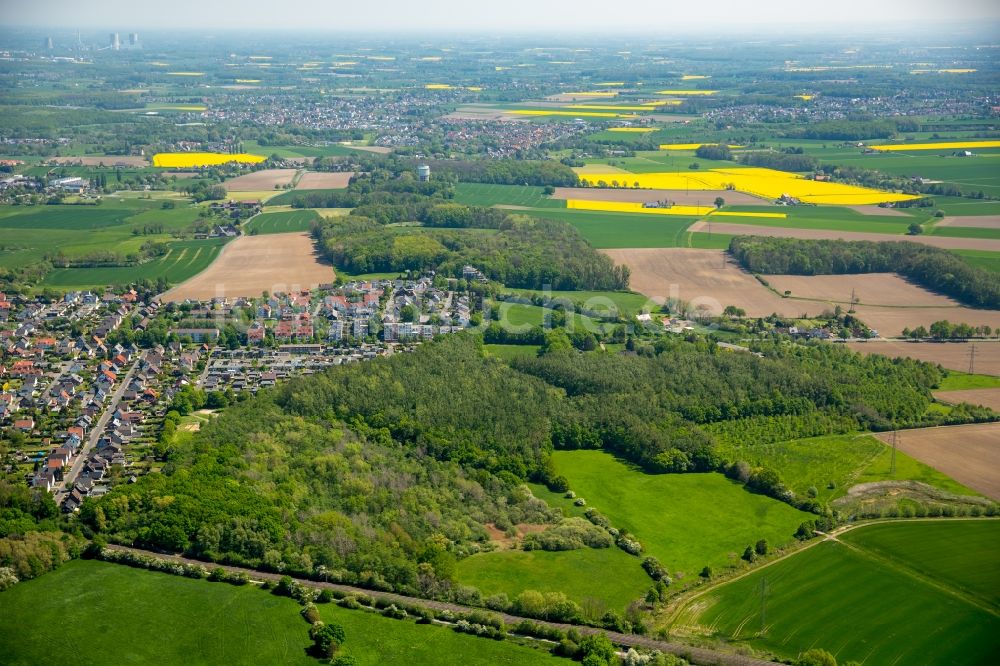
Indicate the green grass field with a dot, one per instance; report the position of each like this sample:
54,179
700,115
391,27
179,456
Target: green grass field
838,460
981,258
282,222
90,612
183,260
480,194
584,574
625,302
958,381
519,314
688,521
883,603
611,230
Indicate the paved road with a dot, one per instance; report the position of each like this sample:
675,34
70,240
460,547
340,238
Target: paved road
695,655
95,433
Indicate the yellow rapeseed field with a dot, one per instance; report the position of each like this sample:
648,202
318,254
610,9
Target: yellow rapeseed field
247,80
575,114
694,77
438,86
949,145
187,160
686,92
691,211
764,183
804,98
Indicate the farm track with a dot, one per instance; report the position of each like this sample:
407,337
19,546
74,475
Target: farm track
696,655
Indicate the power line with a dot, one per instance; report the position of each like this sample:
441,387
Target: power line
972,359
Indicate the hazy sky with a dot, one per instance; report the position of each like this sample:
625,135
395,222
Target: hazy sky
647,16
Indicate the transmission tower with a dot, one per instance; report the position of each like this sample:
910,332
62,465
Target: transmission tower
972,359
854,300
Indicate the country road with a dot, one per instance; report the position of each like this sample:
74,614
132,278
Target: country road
693,654
95,433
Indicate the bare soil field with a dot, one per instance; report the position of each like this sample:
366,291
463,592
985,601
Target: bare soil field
265,179
890,321
706,279
313,180
106,160
481,113
680,197
968,453
951,355
945,242
989,397
869,288
877,210
977,221
598,168
251,265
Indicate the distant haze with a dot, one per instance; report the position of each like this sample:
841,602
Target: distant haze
660,17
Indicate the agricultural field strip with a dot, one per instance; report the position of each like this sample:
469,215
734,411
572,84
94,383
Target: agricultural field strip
833,535
702,655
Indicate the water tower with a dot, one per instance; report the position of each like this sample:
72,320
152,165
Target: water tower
423,173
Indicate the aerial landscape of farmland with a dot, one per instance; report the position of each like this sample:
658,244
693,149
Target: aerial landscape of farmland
444,333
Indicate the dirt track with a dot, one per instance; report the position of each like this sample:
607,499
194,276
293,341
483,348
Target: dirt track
951,355
703,278
945,242
680,197
251,265
970,454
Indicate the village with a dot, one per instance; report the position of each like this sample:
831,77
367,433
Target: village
89,381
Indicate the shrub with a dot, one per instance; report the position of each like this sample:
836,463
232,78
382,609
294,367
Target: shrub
310,613
395,612
325,596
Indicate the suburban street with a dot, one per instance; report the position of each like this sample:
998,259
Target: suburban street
95,433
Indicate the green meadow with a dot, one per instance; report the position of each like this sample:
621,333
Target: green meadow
484,194
281,222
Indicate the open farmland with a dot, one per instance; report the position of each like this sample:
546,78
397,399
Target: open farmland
280,222
682,197
876,602
944,242
968,453
188,160
252,265
970,221
312,180
247,625
703,278
868,288
102,160
890,321
183,260
951,355
266,179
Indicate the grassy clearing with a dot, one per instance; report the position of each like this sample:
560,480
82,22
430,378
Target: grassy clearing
479,194
960,381
688,521
510,352
626,302
282,222
615,230
856,605
519,314
706,241
909,469
581,574
981,258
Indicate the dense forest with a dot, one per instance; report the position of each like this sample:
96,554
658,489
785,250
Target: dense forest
933,268
523,252
386,473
